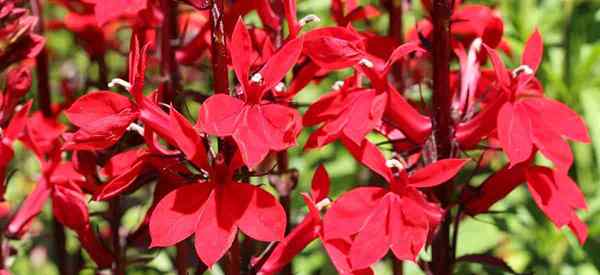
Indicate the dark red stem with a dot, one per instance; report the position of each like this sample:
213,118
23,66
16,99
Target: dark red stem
442,128
169,68
119,266
218,48
41,68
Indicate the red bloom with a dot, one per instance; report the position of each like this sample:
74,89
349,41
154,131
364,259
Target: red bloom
529,121
256,125
398,218
215,209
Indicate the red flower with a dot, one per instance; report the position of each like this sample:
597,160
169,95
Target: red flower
256,125
215,209
529,121
398,218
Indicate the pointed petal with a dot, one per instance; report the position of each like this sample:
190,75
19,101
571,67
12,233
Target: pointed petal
559,117
241,51
534,50
369,155
373,240
437,172
280,63
215,230
319,188
408,228
188,140
99,105
513,132
30,208
69,206
263,218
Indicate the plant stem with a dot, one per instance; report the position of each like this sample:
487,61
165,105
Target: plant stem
218,48
62,256
169,67
396,32
442,128
115,223
41,68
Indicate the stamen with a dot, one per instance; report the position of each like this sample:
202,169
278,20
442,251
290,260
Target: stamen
395,163
123,83
522,69
136,128
323,203
337,85
366,62
280,87
257,78
309,19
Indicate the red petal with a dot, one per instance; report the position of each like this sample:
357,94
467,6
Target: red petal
32,206
241,52
176,216
373,240
251,137
350,211
534,50
215,230
369,155
107,10
280,63
560,117
188,140
579,229
220,115
292,245
513,133
400,52
319,188
97,106
263,218
17,123
545,193
502,74
437,173
69,206
408,228
122,182
282,125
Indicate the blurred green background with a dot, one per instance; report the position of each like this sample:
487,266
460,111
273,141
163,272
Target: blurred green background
521,235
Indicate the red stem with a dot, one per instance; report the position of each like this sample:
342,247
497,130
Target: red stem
169,67
41,68
119,266
442,128
218,48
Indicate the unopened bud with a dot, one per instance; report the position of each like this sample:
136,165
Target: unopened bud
18,81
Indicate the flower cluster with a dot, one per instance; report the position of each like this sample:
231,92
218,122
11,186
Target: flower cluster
124,135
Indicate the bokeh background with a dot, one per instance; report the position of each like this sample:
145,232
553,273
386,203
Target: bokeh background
518,233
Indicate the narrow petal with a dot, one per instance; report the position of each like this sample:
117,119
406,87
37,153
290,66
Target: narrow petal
534,50
513,132
215,231
437,172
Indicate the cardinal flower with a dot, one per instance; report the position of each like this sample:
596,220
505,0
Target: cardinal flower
309,229
257,126
553,191
214,209
352,111
397,218
528,121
